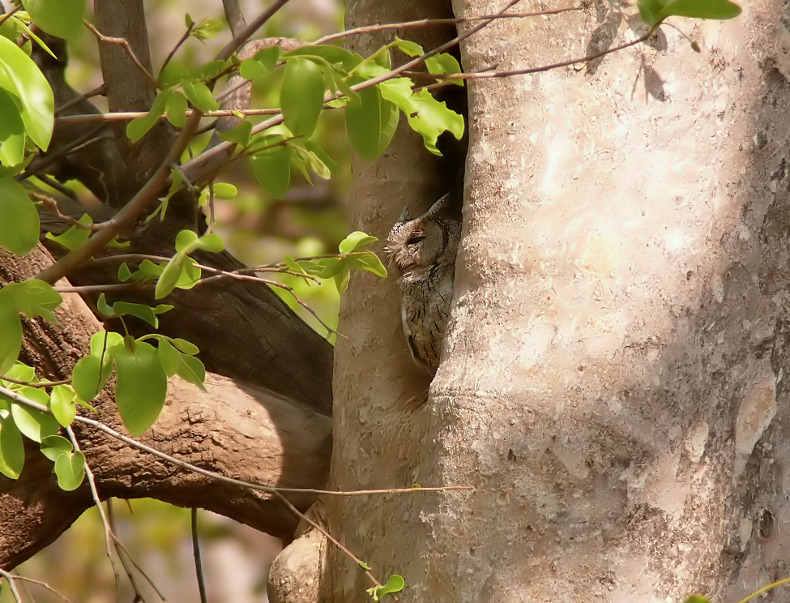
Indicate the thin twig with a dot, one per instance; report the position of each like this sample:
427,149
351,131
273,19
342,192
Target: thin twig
124,561
128,214
246,32
43,585
99,507
10,579
36,384
196,554
331,539
367,29
20,399
172,53
130,115
127,48
53,206
43,161
97,91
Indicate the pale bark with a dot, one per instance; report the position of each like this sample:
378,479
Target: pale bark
612,377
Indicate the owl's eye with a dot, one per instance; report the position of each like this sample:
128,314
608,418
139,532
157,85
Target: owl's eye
415,239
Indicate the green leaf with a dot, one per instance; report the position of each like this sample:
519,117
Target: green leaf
102,342
33,298
12,131
335,55
240,134
433,118
444,63
369,262
408,47
62,405
73,237
200,96
10,334
342,277
192,370
354,241
60,18
53,446
70,469
19,223
207,29
138,127
21,78
261,64
700,9
184,346
697,599
302,96
34,424
186,241
365,566
120,308
176,108
12,449
272,168
169,357
22,372
141,386
371,125
395,584
89,377
225,190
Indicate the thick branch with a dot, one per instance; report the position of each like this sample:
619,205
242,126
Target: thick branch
237,430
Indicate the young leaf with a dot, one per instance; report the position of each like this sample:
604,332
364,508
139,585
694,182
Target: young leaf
21,78
141,386
185,241
369,262
272,168
169,357
355,241
19,225
261,64
433,118
444,63
33,298
700,9
371,124
192,370
342,277
302,96
12,131
207,29
53,446
184,346
70,470
176,108
240,134
11,329
200,96
73,237
60,18
408,47
12,448
395,584
89,376
137,128
225,190
62,405
34,424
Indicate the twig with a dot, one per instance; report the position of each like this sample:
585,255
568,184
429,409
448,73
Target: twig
99,507
10,579
128,214
43,161
331,539
43,585
20,399
130,115
196,555
36,384
367,29
127,48
178,45
98,90
240,38
124,561
52,204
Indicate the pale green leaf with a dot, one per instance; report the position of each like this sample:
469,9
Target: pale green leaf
19,223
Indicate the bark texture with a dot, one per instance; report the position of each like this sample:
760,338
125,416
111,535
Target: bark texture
236,429
612,380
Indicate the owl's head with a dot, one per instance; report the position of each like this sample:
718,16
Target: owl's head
420,244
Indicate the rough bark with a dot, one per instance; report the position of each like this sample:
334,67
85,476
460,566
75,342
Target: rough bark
235,429
612,377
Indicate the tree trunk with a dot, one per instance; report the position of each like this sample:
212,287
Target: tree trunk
611,382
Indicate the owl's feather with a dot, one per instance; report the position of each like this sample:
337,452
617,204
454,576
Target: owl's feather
424,251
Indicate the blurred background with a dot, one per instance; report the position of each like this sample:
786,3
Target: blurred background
258,229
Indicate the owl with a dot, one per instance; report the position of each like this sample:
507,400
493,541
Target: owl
424,251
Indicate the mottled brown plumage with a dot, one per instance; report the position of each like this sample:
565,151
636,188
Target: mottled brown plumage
424,250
